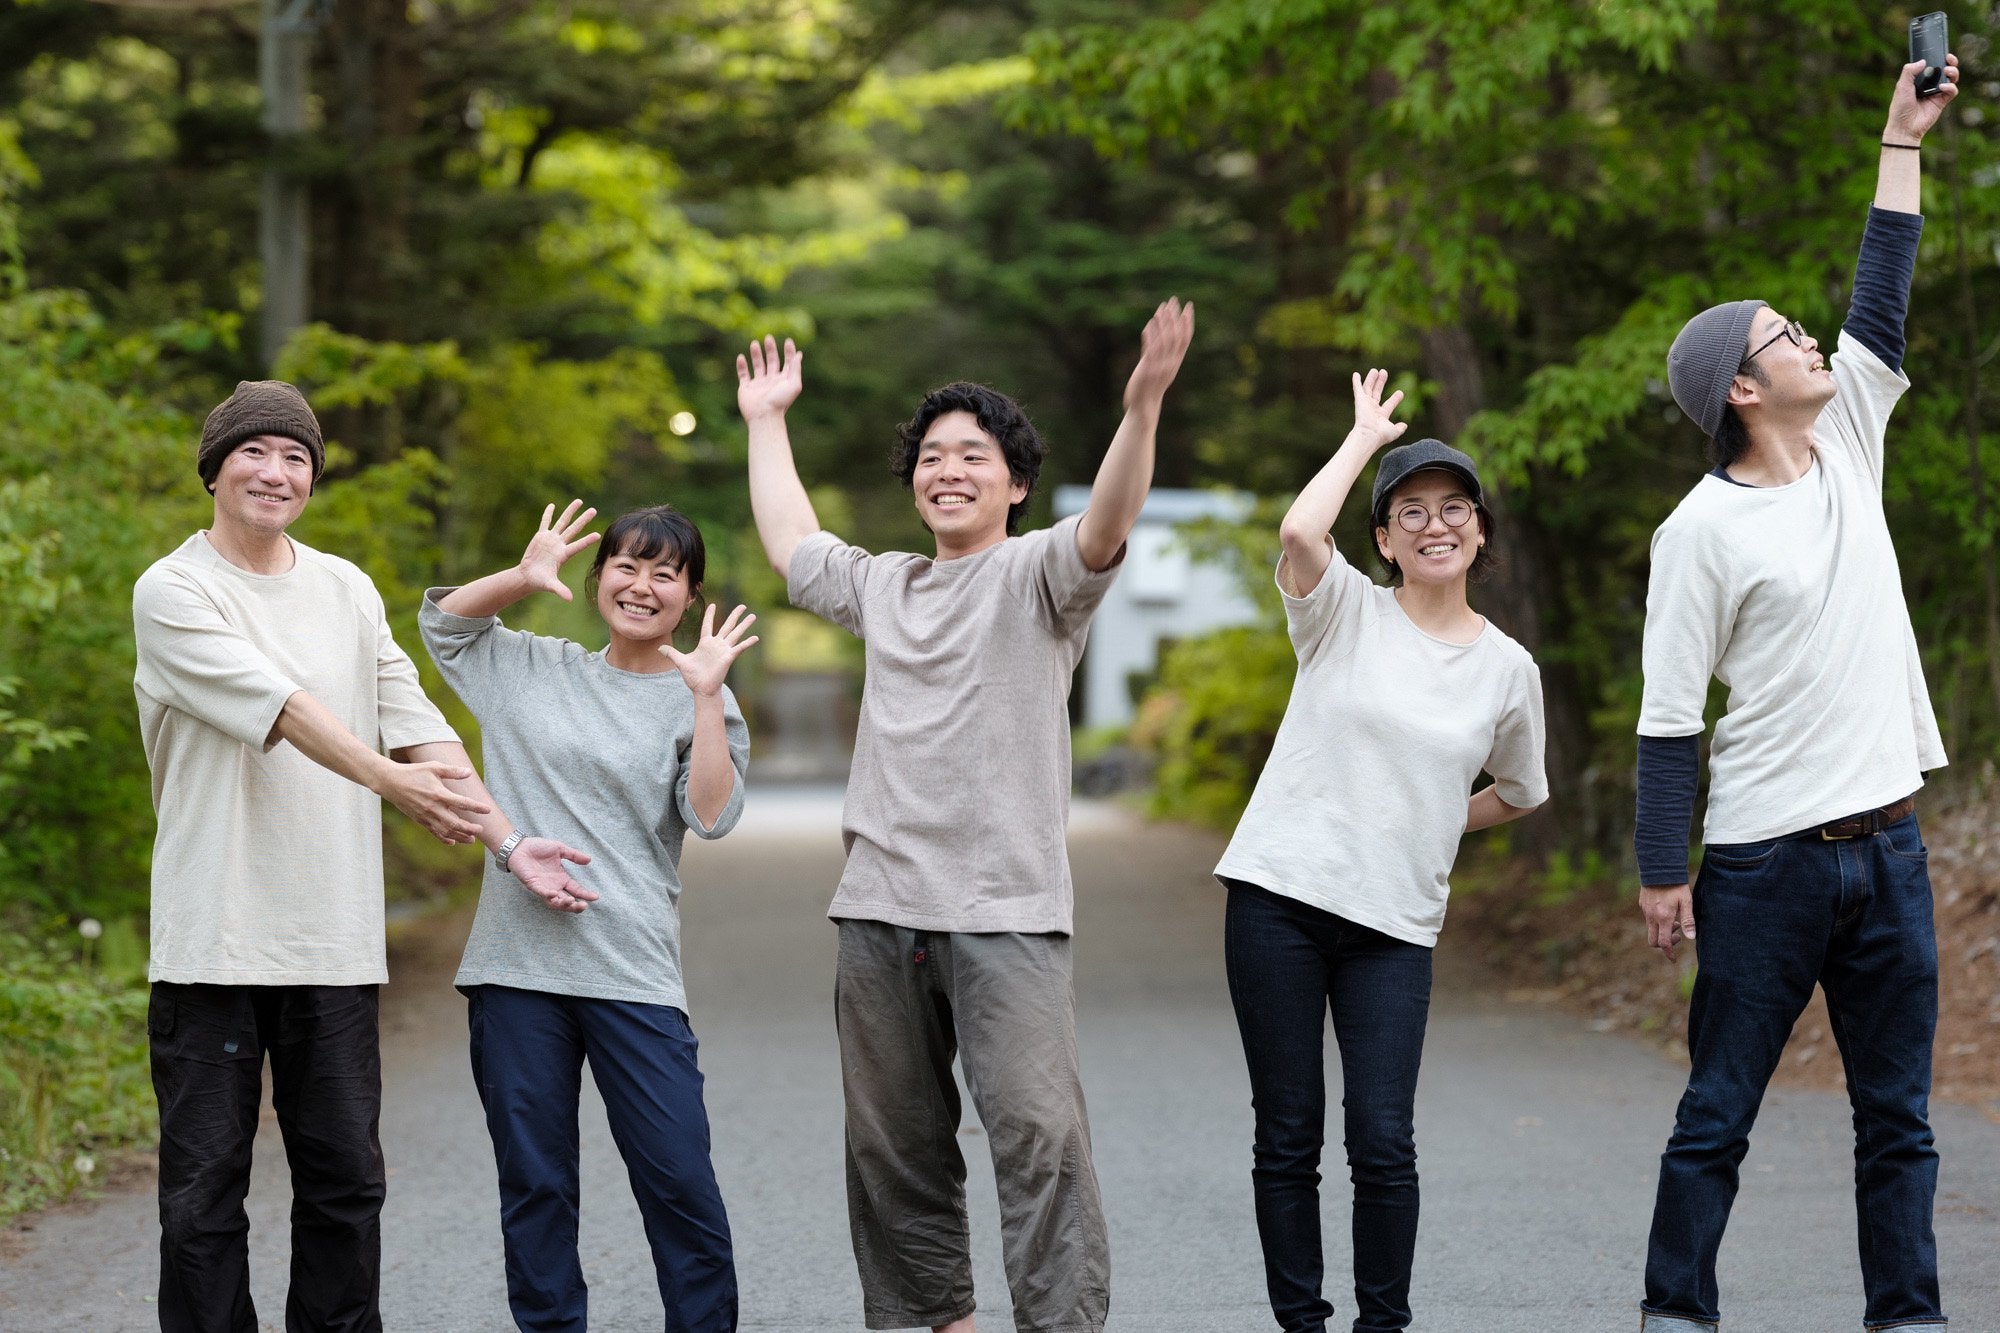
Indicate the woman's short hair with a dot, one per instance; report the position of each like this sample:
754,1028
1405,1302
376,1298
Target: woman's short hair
648,534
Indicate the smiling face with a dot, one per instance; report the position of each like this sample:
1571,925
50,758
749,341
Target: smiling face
262,486
1436,554
642,598
962,486
1785,375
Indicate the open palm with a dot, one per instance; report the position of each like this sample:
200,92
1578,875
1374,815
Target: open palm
553,544
766,383
1371,413
704,668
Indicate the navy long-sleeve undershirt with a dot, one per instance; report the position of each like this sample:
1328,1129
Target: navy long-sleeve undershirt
1670,766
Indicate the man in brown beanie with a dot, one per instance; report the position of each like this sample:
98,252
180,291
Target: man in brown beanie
277,712
1777,576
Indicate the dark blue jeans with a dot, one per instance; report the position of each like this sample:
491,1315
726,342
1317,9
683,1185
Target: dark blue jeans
1774,918
528,1049
1288,964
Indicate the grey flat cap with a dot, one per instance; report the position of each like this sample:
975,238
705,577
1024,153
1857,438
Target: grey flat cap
1405,459
1703,360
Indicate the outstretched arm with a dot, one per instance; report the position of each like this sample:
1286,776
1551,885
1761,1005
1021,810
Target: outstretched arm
1899,178
1126,473
765,386
1306,531
540,568
538,863
419,788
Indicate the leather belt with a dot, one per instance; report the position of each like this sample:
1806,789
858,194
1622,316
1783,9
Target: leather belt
1863,825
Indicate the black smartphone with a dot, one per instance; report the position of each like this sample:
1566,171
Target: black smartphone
1928,43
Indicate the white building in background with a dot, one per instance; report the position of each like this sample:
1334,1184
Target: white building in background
1161,596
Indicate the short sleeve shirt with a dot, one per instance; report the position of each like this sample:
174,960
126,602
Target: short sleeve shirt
597,758
267,868
1792,597
958,798
1360,809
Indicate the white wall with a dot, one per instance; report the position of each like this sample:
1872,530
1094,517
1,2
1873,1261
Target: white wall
1161,594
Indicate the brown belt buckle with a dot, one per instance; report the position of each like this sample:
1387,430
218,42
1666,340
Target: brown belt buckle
1843,830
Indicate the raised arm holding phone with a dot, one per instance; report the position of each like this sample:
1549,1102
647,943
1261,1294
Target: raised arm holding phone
1776,575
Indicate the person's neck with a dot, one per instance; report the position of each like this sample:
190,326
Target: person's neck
1780,452
642,659
1440,610
251,550
973,546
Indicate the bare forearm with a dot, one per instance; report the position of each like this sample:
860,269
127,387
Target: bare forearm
711,775
1119,491
778,499
312,729
494,826
488,596
1899,179
1305,531
1484,809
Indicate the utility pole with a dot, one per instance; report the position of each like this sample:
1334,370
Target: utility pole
284,45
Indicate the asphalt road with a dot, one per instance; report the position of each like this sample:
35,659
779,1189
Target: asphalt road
1539,1140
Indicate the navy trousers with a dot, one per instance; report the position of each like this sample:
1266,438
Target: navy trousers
528,1049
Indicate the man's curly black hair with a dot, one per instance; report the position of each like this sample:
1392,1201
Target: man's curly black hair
998,415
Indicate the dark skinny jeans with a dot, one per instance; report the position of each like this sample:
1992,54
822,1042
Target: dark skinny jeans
1289,963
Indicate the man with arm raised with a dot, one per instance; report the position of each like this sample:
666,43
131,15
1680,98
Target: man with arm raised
1776,576
955,906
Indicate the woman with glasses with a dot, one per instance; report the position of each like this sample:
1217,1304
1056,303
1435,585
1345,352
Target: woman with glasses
1337,873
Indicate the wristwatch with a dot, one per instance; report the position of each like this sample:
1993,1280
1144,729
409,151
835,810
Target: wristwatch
506,849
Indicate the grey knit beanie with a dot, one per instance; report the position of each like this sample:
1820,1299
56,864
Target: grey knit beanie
1703,361
258,407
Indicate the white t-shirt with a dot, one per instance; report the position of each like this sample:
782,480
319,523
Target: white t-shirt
1361,806
959,793
1791,597
267,868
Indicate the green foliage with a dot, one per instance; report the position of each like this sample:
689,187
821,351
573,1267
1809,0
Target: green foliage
73,1076
1212,721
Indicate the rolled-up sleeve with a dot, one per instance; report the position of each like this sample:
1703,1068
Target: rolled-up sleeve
738,735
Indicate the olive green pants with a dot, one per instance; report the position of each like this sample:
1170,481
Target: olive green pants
906,1002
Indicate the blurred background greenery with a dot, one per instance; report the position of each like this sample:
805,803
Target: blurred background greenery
540,229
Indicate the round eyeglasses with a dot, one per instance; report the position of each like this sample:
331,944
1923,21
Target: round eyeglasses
1415,517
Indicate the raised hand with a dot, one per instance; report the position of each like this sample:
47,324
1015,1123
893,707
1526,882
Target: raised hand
538,864
766,384
1162,345
1371,414
704,668
1911,116
553,544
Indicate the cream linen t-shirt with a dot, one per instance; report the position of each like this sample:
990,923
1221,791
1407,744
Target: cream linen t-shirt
267,868
1791,597
1361,806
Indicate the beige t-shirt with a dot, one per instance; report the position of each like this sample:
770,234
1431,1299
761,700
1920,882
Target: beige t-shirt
1361,806
1791,597
959,794
267,868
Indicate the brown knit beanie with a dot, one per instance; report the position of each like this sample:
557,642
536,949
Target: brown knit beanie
258,407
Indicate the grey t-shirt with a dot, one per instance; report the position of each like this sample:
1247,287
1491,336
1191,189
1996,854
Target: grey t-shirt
959,793
577,750
1361,806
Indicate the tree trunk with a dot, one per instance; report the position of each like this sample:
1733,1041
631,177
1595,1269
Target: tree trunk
1518,596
